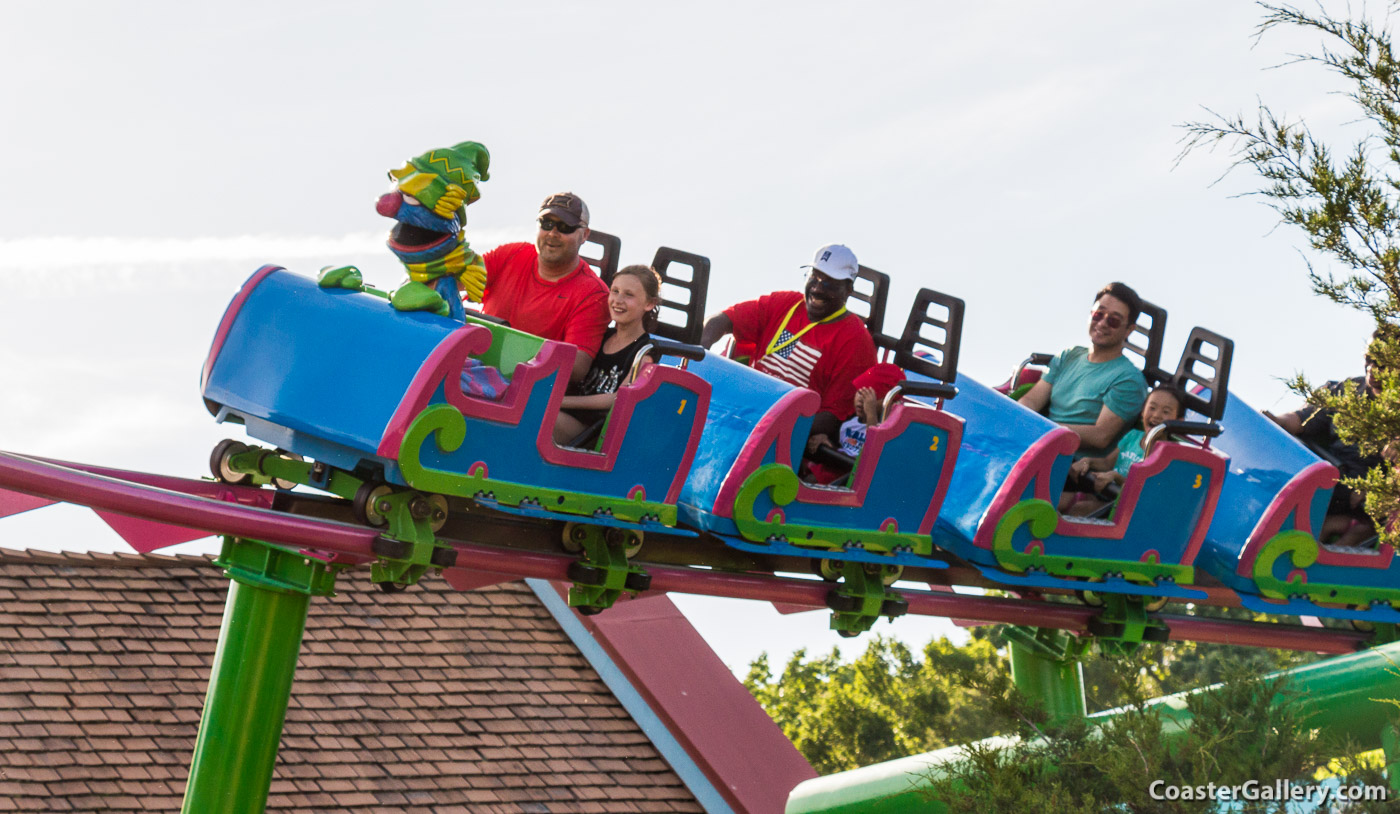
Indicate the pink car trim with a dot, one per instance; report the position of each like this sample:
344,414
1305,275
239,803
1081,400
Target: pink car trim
1034,469
648,381
776,427
1295,500
450,354
553,363
230,316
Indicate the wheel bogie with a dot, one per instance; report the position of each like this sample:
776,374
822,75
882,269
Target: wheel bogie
367,504
219,462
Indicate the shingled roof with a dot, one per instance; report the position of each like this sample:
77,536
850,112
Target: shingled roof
428,700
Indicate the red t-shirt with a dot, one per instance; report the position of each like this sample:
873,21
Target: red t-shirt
572,309
827,358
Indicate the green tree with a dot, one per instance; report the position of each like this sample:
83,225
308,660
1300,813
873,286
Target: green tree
1347,202
888,703
883,705
1155,670
1238,734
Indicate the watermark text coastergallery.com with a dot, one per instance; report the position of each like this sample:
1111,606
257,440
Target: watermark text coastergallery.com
1275,790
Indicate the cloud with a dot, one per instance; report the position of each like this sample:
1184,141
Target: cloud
89,264
74,250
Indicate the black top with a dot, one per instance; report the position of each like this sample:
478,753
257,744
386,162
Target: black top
1317,427
608,370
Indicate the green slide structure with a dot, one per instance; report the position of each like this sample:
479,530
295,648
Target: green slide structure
1344,695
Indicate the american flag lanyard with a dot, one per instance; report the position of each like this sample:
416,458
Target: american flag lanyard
774,346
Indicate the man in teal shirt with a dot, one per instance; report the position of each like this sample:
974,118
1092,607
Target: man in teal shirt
1096,391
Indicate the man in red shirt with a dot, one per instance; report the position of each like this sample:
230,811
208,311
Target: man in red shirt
807,338
547,289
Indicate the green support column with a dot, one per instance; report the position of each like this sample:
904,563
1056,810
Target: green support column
1046,669
250,683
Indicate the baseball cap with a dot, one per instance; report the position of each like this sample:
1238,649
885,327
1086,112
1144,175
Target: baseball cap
835,261
882,378
567,207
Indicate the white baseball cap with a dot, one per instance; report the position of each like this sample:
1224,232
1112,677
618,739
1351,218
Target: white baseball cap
835,261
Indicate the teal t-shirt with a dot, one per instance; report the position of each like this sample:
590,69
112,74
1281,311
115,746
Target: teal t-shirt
1083,388
1129,451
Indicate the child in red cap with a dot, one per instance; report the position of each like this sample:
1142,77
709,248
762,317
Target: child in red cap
871,388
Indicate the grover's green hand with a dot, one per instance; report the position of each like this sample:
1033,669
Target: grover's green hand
341,277
413,296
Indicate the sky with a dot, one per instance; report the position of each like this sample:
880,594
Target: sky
1016,155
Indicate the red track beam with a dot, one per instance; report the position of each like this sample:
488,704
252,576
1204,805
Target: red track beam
987,609
61,483
1253,634
233,493
115,494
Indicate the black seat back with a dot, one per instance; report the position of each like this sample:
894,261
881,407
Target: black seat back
601,251
868,299
1146,340
931,338
685,279
1205,364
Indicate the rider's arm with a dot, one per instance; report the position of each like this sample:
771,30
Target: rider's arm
1103,464
1102,432
582,362
597,401
1292,422
1038,396
827,426
716,327
587,323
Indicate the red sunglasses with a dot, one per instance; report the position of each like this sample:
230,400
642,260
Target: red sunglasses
1113,321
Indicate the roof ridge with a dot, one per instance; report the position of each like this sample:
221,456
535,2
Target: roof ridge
101,559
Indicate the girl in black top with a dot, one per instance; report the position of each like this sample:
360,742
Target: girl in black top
633,301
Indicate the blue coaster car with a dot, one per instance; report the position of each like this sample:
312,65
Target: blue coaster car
1266,547
340,377
1002,514
744,485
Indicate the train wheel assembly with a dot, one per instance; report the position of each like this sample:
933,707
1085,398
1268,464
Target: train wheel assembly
219,462
367,506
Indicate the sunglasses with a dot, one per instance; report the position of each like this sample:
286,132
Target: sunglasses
1112,321
556,226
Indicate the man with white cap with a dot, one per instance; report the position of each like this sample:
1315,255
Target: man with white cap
545,288
807,338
